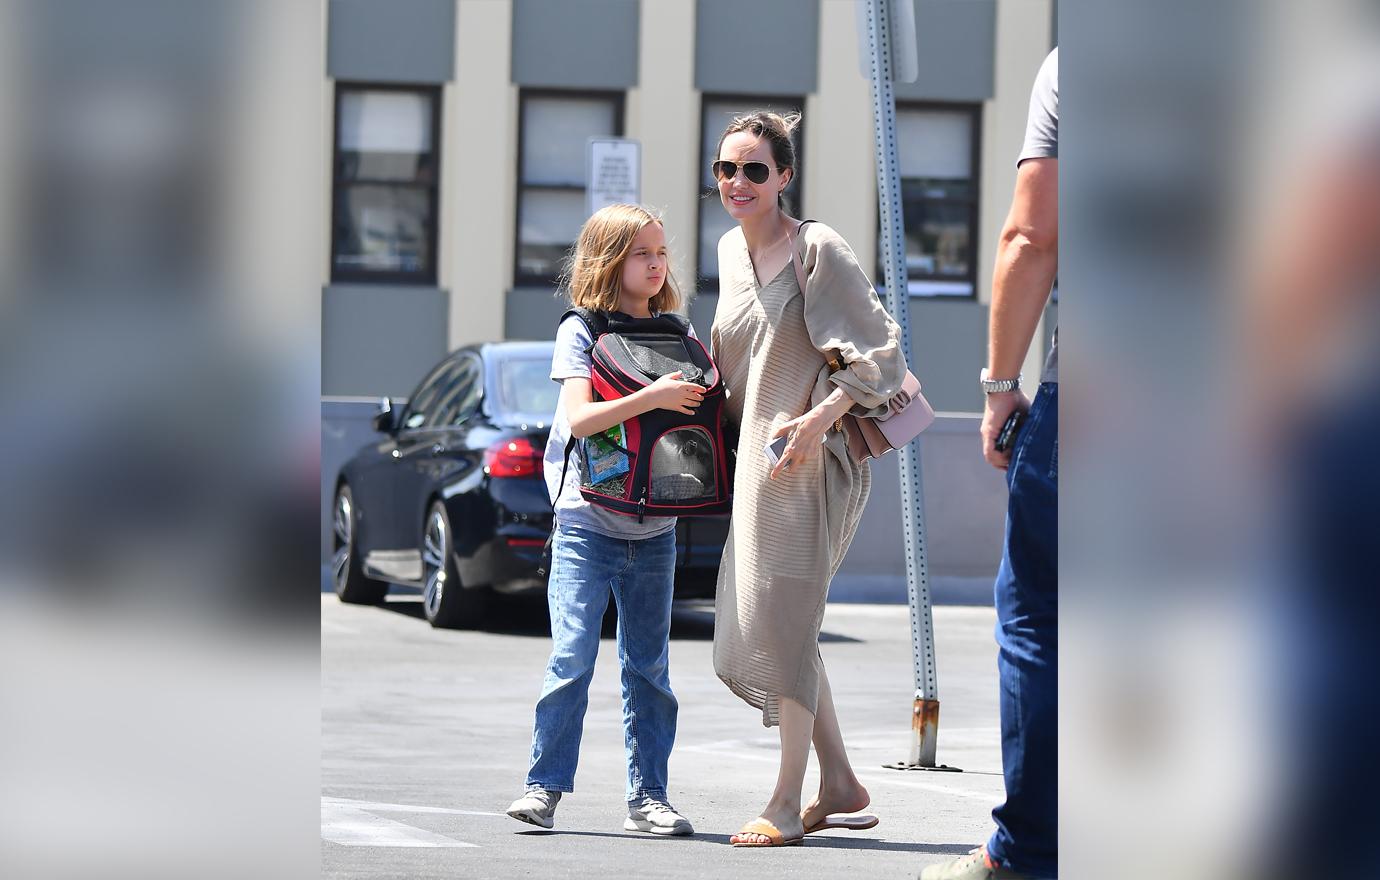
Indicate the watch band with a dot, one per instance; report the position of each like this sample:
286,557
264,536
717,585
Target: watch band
994,386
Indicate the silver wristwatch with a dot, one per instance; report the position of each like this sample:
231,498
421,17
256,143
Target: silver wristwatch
993,386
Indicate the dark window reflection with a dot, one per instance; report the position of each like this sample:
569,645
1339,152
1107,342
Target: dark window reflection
386,179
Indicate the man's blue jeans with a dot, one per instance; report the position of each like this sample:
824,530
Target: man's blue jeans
1027,599
585,568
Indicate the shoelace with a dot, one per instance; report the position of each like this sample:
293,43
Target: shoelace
657,807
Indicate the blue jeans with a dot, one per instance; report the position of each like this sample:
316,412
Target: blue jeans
1027,600
585,568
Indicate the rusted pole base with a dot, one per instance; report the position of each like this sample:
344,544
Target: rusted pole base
925,739
924,722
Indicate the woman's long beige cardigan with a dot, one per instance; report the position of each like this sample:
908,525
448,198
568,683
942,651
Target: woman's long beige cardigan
788,535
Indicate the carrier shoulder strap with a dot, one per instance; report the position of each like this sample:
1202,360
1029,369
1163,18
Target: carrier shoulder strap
597,323
795,256
544,564
560,487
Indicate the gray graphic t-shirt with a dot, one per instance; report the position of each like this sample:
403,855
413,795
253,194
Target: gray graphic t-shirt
1042,142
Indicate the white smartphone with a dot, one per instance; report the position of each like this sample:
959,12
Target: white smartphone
775,449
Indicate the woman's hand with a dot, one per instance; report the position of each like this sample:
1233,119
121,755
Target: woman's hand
807,431
806,434
669,392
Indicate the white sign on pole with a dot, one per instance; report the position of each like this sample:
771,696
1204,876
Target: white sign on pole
615,172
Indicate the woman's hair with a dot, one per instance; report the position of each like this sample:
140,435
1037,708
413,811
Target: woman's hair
595,275
777,130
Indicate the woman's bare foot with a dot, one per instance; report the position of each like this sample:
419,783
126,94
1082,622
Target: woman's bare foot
835,799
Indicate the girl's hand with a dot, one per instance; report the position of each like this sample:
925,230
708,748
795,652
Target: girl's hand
806,434
669,392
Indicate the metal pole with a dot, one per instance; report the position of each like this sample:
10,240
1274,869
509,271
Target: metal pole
925,712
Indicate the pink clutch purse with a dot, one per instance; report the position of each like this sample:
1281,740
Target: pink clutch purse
908,413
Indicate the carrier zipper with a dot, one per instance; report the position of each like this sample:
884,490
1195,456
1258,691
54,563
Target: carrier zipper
642,507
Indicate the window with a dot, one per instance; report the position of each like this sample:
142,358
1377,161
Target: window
717,112
525,387
459,396
551,174
445,397
387,156
936,146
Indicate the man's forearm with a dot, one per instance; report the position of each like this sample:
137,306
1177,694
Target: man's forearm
1025,272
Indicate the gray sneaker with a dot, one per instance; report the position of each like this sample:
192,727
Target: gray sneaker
656,816
537,807
974,866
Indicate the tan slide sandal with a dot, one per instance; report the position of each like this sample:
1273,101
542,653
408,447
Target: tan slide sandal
860,822
767,830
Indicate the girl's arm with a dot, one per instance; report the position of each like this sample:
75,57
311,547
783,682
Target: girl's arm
588,416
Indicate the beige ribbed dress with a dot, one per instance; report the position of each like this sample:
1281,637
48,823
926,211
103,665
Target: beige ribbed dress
788,535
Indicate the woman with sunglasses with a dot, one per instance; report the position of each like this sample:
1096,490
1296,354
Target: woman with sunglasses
793,520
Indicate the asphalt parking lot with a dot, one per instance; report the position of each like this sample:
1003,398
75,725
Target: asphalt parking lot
425,737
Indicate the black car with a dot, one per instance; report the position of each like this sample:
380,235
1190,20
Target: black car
451,500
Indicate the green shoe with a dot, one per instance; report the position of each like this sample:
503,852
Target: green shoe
974,866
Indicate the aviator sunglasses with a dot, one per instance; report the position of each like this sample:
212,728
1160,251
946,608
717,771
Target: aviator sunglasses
757,172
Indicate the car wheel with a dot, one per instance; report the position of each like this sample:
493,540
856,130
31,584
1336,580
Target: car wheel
351,584
445,600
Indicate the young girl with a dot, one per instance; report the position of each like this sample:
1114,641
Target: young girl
620,264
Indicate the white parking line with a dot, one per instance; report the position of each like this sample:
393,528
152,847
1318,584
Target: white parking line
376,807
353,823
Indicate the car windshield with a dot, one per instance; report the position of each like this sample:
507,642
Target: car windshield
525,387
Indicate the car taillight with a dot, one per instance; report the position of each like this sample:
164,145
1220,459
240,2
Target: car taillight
513,458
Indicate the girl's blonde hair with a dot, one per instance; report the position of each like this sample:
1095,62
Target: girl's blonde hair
595,275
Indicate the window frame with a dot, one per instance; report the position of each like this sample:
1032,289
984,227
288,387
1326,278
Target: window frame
974,112
619,101
427,278
705,283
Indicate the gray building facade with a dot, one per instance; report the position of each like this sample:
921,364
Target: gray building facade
457,178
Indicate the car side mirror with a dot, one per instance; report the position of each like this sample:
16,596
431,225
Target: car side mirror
386,419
